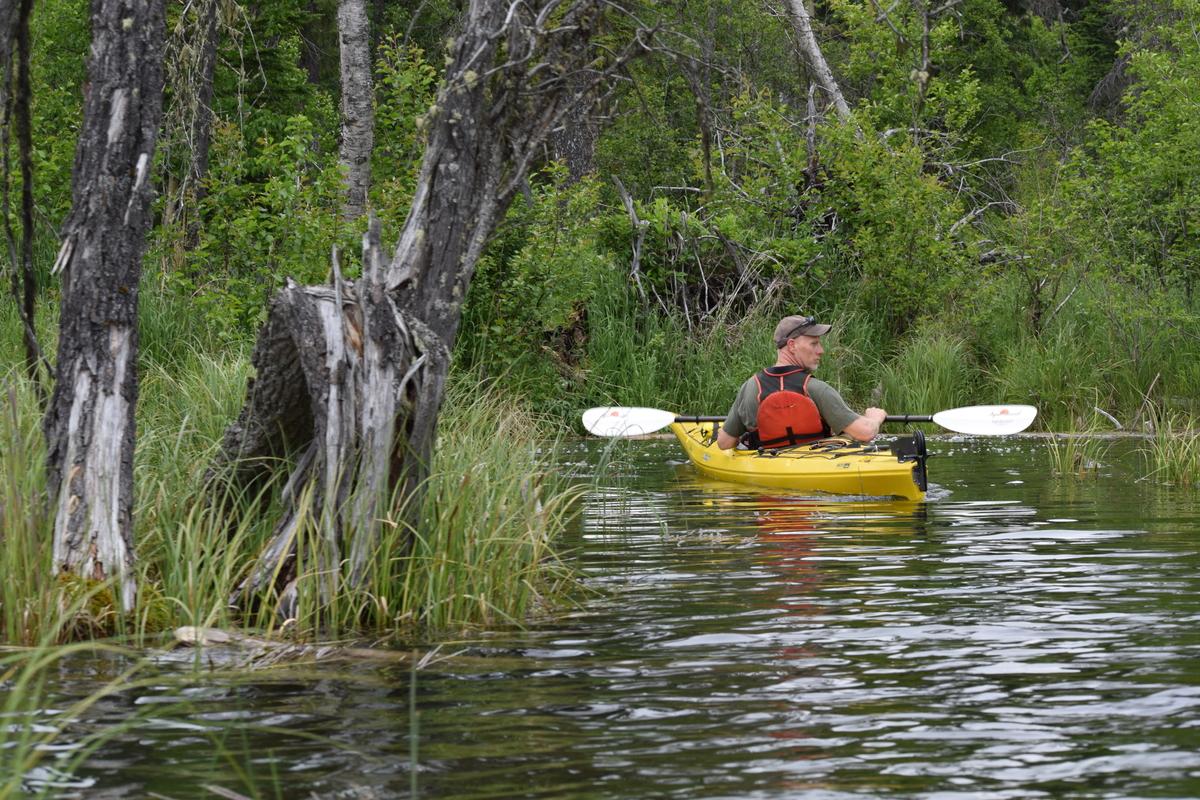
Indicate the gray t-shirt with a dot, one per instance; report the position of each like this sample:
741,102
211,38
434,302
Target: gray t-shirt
743,415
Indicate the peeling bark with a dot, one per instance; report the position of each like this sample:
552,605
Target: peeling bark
346,376
89,426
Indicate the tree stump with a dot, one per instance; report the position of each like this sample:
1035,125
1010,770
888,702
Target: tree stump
354,384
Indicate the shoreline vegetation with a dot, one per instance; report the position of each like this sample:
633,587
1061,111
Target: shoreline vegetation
1003,214
497,502
494,506
1002,210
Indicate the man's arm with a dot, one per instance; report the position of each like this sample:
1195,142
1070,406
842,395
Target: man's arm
742,416
866,427
725,441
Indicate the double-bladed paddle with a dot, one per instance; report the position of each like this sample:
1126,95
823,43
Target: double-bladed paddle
974,420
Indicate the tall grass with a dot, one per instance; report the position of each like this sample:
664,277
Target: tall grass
1106,347
482,552
1172,453
1059,375
642,356
933,370
30,596
1080,451
495,507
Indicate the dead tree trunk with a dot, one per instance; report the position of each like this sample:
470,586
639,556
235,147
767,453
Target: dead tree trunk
191,64
14,30
208,14
89,426
358,109
352,375
811,50
24,118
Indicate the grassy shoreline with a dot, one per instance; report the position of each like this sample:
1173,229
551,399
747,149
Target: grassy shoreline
495,504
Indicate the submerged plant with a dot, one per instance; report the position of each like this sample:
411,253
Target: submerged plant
49,732
1077,453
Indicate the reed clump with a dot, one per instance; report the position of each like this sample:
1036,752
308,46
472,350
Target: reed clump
1077,453
476,547
30,597
1172,452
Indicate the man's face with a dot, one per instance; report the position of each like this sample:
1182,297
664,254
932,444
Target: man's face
807,351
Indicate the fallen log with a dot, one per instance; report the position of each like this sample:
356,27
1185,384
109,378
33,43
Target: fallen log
260,652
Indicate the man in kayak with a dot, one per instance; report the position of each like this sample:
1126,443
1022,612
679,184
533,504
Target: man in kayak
784,405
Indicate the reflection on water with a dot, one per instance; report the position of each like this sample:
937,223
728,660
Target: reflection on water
1012,637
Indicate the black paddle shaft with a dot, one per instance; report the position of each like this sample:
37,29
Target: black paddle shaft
888,418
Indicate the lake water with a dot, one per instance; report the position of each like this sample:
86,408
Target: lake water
1016,636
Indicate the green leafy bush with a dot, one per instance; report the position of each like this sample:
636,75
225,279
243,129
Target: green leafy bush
257,235
526,312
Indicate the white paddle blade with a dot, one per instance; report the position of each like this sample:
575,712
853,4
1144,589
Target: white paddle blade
622,421
987,420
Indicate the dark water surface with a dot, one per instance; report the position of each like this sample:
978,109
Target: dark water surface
1016,636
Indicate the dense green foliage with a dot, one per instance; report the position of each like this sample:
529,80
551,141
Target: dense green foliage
986,228
975,200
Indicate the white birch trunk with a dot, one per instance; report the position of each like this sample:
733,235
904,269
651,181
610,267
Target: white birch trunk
811,50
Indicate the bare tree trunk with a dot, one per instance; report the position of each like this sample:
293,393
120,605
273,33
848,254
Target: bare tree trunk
190,64
358,110
8,32
89,426
811,50
24,119
14,30
575,140
208,13
352,375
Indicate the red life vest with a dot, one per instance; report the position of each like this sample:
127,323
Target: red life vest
786,414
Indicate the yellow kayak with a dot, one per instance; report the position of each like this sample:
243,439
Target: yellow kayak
833,466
